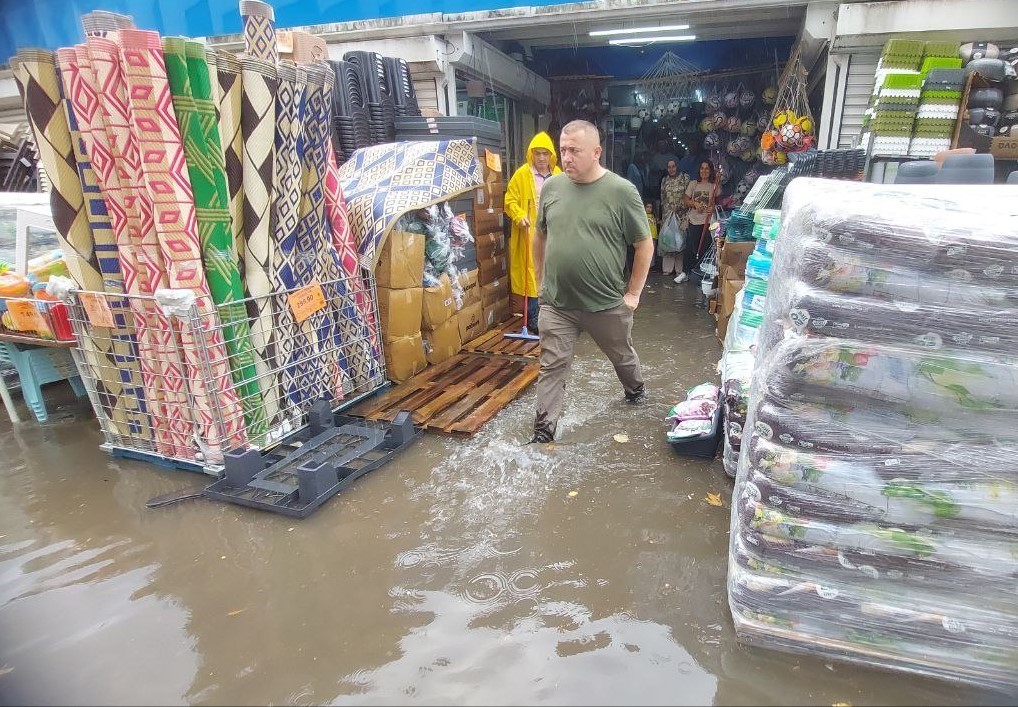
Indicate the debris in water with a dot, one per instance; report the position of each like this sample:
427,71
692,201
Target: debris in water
236,612
573,493
714,499
621,438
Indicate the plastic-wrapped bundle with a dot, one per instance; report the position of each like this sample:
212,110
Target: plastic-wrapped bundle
875,514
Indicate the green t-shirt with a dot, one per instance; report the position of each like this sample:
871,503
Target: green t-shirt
588,227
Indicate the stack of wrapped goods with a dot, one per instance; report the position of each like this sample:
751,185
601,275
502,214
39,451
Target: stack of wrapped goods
740,340
876,506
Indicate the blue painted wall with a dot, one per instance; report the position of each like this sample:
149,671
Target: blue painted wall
54,23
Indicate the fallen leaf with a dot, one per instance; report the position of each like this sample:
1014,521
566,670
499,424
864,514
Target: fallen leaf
714,499
573,493
621,438
238,611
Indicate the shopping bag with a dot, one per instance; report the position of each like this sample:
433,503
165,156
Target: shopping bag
671,238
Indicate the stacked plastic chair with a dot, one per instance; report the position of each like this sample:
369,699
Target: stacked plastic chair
895,113
889,119
398,78
940,100
350,128
378,98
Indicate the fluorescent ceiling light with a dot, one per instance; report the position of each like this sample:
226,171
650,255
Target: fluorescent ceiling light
636,30
650,40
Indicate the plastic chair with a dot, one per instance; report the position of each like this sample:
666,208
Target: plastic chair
921,172
37,366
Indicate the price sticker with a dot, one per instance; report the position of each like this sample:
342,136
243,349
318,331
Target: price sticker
493,160
306,301
27,317
97,309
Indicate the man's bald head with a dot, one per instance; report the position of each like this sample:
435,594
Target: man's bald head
580,144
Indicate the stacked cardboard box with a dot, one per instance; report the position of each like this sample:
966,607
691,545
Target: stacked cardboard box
471,313
493,277
400,304
731,277
440,323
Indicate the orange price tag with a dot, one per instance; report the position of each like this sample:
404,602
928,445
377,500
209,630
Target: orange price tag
97,309
493,160
306,301
26,316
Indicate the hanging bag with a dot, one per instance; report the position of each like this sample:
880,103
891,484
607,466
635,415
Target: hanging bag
672,239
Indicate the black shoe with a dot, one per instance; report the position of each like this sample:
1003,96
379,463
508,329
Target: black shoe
637,398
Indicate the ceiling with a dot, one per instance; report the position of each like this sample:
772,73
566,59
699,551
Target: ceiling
570,30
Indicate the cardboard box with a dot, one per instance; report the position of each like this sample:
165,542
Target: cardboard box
468,279
487,220
442,343
471,295
471,321
404,358
494,198
401,264
490,245
438,305
733,259
494,291
400,311
492,269
301,47
726,303
497,313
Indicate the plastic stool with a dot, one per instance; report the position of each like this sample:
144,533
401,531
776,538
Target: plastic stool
37,366
1013,177
919,172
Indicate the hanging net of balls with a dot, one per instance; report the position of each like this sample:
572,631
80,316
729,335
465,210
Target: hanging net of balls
791,127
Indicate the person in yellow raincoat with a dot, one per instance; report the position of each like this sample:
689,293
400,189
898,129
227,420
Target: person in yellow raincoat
521,197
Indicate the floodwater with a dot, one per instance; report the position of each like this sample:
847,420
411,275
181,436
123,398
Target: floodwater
464,572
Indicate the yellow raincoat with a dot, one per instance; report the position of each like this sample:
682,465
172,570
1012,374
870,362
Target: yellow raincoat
521,201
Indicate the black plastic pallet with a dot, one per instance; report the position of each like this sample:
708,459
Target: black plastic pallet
311,467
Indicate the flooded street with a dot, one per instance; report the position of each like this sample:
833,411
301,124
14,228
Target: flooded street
465,572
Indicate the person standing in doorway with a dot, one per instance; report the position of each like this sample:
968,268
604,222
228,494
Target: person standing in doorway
521,198
698,197
673,202
586,218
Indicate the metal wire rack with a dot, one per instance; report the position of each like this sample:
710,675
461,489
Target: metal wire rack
179,381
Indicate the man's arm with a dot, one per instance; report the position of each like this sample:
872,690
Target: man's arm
641,266
537,251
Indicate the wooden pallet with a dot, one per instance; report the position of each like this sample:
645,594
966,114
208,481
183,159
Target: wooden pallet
455,397
495,342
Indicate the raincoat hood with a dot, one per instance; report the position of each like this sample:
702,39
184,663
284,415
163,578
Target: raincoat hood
542,140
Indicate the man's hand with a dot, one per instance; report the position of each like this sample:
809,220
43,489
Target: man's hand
525,222
631,301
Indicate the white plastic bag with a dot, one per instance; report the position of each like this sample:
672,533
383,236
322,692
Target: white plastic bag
672,239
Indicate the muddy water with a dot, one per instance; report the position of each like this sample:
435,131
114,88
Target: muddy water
477,572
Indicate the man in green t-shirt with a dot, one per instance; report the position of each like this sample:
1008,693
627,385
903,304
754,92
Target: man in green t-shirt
586,219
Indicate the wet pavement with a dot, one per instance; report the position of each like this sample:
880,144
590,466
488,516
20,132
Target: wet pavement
465,572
